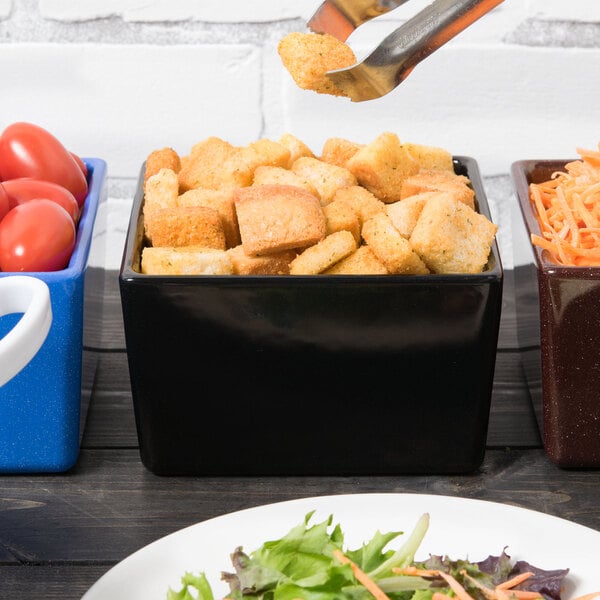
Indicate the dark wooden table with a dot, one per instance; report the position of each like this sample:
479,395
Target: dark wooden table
61,532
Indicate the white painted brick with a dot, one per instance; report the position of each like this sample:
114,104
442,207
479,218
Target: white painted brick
575,10
5,8
120,102
232,11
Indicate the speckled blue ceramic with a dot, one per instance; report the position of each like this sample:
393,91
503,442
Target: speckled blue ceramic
41,407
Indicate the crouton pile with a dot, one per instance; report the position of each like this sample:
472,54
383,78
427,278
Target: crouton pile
275,208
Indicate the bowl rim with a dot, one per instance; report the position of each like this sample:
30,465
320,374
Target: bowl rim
466,165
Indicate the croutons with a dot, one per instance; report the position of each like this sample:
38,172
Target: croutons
324,254
451,237
391,248
361,262
325,177
273,218
185,260
340,216
273,264
222,202
308,56
338,151
165,158
186,226
430,180
382,166
274,208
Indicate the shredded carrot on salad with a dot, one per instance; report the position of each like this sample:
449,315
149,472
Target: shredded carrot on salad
568,211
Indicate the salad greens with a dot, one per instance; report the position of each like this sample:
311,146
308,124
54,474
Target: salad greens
311,563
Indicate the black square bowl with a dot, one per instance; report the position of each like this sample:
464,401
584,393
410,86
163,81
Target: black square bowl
259,375
559,333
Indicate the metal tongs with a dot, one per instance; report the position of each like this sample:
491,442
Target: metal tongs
396,56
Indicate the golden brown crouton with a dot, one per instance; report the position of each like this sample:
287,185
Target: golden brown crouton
161,190
296,147
185,226
207,166
340,216
185,260
428,180
382,166
391,248
308,56
338,151
165,158
451,237
267,175
222,202
361,262
431,157
405,213
273,218
273,264
325,177
322,256
362,201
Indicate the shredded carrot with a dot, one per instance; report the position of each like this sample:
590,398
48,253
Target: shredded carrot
567,207
458,589
361,576
516,580
412,570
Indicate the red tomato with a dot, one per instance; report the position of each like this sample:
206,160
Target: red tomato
4,202
81,164
25,188
36,236
27,150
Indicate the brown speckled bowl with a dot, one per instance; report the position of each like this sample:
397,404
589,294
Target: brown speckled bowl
567,360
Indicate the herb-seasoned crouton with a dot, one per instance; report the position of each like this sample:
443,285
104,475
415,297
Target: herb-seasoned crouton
165,158
266,175
451,237
273,264
405,213
382,166
362,201
222,202
340,216
296,147
429,180
185,260
325,254
273,218
338,151
161,190
207,166
431,157
361,262
391,248
325,177
308,56
185,226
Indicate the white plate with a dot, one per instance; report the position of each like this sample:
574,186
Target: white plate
459,528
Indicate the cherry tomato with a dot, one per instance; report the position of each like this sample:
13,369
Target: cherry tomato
4,202
81,164
25,188
36,236
28,150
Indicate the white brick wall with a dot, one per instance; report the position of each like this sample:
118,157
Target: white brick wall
116,79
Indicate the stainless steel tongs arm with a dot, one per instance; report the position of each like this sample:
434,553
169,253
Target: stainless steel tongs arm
341,17
396,56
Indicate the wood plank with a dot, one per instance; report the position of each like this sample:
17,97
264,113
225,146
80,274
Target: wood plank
109,505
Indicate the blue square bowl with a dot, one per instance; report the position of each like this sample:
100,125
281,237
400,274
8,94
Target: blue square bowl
43,407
